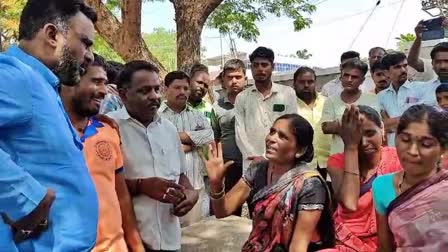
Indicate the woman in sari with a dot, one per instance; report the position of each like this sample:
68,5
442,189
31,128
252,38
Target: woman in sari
412,205
352,174
289,202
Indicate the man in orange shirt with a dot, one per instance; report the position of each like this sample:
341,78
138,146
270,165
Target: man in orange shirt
117,229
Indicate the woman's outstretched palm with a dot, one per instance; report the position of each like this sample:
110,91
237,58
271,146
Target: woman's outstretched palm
216,168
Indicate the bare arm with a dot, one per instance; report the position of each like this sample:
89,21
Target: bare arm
332,128
385,236
187,148
303,230
414,53
390,124
131,233
185,138
234,199
345,183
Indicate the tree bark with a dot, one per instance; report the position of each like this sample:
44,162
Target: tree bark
125,37
190,19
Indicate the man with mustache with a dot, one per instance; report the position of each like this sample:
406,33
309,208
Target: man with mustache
310,106
400,95
200,84
117,227
257,107
379,77
154,162
352,76
47,198
194,132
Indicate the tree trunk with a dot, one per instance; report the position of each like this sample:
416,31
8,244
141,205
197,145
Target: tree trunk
125,38
190,19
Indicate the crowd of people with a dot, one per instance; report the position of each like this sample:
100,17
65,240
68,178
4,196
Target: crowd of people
108,157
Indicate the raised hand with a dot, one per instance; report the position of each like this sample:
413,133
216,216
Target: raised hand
351,127
216,168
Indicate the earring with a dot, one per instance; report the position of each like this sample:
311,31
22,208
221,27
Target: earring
298,155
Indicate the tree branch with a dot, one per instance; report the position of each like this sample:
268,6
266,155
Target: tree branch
124,38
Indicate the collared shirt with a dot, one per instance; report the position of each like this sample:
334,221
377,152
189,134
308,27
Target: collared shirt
255,115
152,151
334,87
205,108
104,160
40,149
321,141
333,110
430,96
198,128
394,104
223,124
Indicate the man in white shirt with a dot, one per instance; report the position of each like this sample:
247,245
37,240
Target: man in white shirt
257,107
400,95
153,159
194,132
334,87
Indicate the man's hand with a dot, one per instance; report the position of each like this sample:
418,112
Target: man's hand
419,30
162,190
256,159
187,148
191,197
35,223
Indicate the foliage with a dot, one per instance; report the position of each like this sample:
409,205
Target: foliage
9,20
404,40
101,47
162,43
240,16
303,54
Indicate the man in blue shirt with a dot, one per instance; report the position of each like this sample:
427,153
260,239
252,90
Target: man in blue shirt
47,199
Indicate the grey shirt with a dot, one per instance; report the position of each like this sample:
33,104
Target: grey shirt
223,124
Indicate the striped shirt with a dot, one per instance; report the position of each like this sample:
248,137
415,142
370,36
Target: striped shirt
394,103
196,125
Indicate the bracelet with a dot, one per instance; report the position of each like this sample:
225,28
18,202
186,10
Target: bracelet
219,195
351,173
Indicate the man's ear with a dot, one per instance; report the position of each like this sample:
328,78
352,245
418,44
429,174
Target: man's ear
51,33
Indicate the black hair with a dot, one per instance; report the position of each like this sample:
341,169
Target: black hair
113,69
392,59
376,49
440,47
37,13
349,55
302,70
98,60
234,65
437,120
371,114
198,67
125,77
442,88
356,64
175,75
262,52
304,133
377,66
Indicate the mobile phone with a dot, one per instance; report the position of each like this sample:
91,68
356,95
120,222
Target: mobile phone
433,29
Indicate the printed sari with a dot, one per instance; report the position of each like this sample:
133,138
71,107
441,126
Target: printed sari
275,209
418,218
356,231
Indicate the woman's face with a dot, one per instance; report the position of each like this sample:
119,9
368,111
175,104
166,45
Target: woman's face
372,137
418,151
281,146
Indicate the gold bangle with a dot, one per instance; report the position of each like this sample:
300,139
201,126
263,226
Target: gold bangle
219,195
351,173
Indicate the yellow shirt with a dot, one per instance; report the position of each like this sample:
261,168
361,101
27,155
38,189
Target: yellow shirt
321,141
